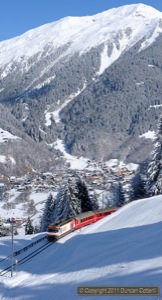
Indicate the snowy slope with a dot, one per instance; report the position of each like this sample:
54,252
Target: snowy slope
59,63
123,249
18,211
121,27
5,135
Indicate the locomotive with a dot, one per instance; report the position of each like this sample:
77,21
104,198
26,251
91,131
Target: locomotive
65,226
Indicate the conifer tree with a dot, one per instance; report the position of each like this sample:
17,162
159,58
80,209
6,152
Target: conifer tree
137,187
120,195
107,199
93,201
67,203
83,195
47,213
88,201
154,173
72,199
29,229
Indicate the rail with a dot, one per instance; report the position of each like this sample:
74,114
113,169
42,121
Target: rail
27,257
24,249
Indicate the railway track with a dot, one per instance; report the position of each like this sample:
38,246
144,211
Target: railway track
7,257
32,254
27,257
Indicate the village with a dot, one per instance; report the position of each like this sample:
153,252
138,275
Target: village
97,175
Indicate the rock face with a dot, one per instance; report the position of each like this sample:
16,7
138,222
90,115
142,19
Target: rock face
94,82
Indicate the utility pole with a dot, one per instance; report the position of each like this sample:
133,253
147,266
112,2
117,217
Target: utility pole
12,244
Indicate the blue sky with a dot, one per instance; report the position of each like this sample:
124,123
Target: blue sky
18,16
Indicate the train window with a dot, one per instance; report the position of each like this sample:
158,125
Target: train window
53,230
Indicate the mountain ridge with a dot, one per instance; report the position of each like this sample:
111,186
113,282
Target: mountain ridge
95,90
57,33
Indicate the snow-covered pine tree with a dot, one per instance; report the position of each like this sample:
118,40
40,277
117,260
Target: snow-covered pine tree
29,229
93,201
47,213
129,191
67,203
36,230
120,195
107,199
83,195
59,202
154,173
76,201
137,187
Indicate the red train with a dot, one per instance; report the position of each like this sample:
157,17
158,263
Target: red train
63,227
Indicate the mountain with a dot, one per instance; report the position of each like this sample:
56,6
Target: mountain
19,153
94,82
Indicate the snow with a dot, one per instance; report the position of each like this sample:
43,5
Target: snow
2,158
45,82
5,135
105,60
148,135
75,162
131,166
123,249
117,164
112,162
156,106
151,36
12,160
80,163
124,26
19,211
139,83
56,114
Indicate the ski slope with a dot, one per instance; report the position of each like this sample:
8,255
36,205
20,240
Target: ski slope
124,249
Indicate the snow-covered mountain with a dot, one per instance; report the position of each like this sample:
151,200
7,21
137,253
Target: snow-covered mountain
124,25
123,249
120,27
92,81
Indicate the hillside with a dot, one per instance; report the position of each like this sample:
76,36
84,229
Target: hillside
123,249
93,82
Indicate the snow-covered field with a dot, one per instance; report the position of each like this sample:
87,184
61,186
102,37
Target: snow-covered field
124,249
19,211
